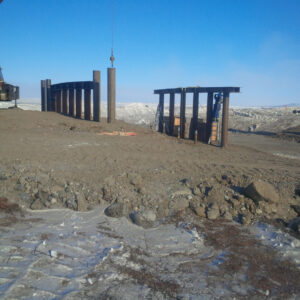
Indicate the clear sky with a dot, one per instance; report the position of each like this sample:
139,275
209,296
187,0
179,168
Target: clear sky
254,44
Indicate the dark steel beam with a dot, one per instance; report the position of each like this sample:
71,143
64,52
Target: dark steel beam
209,110
74,85
78,103
213,89
195,114
171,113
182,113
48,95
65,101
96,97
87,104
161,113
59,101
43,95
225,117
71,103
168,91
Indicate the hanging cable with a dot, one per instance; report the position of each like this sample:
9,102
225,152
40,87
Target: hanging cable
112,58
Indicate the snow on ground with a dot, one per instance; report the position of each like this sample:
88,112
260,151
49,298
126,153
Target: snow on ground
62,254
59,253
288,246
256,119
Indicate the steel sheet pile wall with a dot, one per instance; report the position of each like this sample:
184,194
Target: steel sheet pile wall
194,122
66,98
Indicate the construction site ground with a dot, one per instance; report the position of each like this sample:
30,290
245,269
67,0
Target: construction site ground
50,163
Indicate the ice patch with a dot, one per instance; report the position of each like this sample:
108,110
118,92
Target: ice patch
288,246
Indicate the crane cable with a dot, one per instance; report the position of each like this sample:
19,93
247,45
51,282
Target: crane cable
112,58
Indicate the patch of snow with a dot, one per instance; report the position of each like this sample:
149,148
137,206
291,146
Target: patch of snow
284,243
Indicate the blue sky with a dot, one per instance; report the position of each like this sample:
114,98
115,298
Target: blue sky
254,44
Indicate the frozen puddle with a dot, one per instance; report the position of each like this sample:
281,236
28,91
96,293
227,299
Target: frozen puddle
62,254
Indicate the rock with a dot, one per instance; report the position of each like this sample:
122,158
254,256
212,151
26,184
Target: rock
186,182
179,203
81,202
71,203
297,190
135,180
295,224
200,211
212,212
296,208
144,218
245,219
108,194
53,201
53,253
42,179
184,192
227,216
196,191
261,191
141,190
116,210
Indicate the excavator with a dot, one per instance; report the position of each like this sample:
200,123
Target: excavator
8,92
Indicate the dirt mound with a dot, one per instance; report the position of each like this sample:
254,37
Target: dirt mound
51,161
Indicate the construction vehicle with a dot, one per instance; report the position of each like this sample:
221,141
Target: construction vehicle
215,126
8,92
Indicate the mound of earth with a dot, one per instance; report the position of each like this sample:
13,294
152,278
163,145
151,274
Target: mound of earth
48,160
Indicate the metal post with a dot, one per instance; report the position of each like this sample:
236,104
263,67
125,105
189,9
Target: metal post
195,114
225,116
171,113
209,110
71,102
43,94
161,113
87,104
96,97
54,100
78,103
59,101
65,100
182,113
48,94
111,94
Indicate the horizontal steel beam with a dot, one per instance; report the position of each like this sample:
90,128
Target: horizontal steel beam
73,85
168,91
213,89
198,89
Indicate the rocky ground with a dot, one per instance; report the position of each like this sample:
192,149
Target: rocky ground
51,161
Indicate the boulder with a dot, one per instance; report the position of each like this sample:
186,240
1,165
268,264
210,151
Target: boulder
200,211
227,216
295,224
144,218
297,190
261,191
296,208
116,210
212,212
179,203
